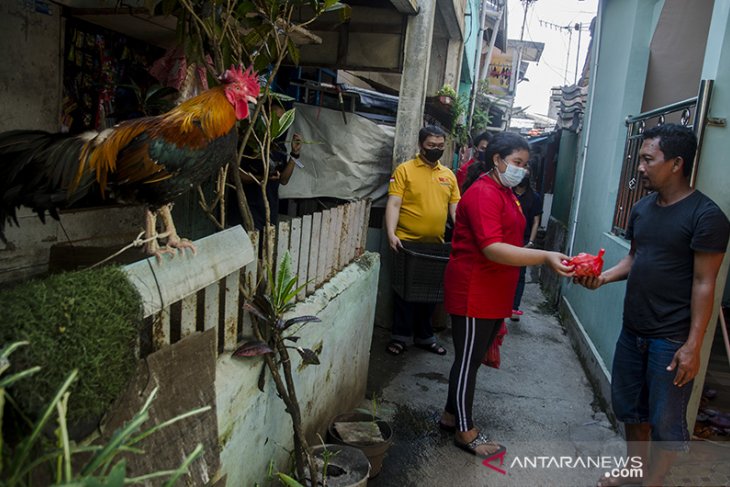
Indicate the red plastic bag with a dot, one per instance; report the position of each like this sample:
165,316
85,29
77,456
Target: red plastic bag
491,358
587,265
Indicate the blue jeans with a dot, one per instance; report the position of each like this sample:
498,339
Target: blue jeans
642,389
520,289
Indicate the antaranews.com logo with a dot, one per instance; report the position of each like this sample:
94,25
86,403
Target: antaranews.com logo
618,467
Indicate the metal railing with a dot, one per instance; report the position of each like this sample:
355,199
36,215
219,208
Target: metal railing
691,113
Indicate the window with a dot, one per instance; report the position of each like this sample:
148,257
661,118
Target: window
630,189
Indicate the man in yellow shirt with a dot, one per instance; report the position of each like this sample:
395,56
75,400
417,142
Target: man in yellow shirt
421,195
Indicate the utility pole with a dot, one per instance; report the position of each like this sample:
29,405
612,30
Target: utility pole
516,71
481,75
578,26
477,64
567,59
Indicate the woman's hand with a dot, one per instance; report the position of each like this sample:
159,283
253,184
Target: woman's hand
555,261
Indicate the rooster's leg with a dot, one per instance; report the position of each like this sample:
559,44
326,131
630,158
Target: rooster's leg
173,239
152,247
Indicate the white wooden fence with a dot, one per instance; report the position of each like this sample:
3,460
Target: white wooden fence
190,293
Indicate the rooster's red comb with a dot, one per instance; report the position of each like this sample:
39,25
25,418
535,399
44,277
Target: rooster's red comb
237,75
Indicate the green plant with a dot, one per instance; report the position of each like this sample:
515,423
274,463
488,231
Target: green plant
275,337
459,130
87,320
155,100
290,482
447,90
71,464
481,119
327,454
256,33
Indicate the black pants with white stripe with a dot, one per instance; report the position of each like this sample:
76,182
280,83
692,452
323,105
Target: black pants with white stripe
472,338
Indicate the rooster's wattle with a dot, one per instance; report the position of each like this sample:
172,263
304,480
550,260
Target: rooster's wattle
148,161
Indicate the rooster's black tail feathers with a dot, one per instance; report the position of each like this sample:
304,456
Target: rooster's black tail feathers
36,170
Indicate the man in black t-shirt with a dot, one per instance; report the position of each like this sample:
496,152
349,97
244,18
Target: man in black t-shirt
678,240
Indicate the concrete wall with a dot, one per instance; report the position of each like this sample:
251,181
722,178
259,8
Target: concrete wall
472,41
437,70
30,74
713,178
30,93
594,318
254,429
623,59
565,176
675,62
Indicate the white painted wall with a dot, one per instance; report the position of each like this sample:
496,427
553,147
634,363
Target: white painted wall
30,72
31,42
254,429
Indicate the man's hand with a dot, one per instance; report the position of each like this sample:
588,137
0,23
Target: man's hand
296,144
274,176
590,282
394,243
687,362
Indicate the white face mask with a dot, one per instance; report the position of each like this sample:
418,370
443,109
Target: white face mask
512,176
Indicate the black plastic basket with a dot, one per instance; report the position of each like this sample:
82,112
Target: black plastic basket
418,271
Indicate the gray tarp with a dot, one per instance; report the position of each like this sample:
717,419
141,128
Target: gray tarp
349,162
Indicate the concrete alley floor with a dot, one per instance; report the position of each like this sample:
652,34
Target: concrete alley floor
539,404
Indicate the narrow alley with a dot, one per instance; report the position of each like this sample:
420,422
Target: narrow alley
539,404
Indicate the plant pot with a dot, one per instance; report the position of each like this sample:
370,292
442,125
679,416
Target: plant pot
375,452
346,466
445,100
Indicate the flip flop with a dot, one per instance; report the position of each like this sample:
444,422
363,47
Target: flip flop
446,427
396,347
480,440
431,347
436,417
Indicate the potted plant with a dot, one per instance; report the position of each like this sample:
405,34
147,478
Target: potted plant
275,338
363,430
341,466
447,94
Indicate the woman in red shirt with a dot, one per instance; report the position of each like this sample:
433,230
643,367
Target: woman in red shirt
480,146
482,273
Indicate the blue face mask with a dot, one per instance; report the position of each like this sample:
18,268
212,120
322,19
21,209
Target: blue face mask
512,176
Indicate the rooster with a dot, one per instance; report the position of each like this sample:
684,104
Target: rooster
149,161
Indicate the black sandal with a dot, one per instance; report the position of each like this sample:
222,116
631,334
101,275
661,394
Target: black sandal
432,347
480,440
396,347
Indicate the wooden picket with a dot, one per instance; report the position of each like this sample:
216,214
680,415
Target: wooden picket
224,274
314,252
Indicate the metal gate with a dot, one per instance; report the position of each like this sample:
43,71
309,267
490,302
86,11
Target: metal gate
691,113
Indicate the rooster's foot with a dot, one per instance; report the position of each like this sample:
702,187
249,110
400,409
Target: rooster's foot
175,242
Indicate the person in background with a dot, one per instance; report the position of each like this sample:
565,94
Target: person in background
480,146
281,168
481,276
531,205
678,240
421,195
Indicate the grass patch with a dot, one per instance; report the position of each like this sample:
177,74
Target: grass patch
87,320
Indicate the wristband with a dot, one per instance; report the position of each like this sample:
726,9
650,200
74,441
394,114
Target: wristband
294,155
